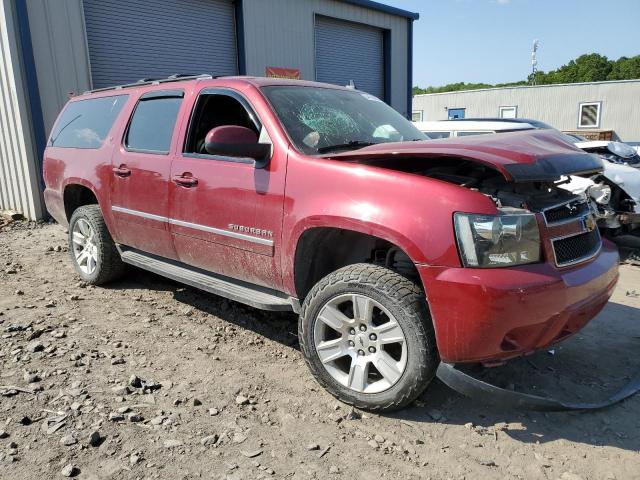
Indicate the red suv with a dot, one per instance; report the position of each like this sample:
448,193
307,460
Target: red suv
289,195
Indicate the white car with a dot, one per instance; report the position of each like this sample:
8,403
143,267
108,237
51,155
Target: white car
463,127
615,193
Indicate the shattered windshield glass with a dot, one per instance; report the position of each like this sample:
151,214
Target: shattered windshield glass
322,120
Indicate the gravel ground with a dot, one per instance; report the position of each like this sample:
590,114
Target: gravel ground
148,379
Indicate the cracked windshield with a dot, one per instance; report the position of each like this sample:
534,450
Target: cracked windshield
324,120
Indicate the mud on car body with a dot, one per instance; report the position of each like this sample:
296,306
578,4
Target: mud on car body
398,254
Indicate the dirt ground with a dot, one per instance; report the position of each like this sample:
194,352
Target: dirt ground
149,379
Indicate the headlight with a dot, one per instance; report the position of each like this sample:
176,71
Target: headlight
503,240
600,193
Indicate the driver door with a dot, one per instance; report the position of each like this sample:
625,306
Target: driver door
226,214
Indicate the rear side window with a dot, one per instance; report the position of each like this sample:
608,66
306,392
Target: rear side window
153,122
86,123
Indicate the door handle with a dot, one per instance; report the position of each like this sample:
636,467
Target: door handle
121,171
185,181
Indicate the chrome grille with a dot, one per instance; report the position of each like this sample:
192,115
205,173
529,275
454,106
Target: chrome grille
566,212
576,248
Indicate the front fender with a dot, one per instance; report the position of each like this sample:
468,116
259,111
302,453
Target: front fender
413,212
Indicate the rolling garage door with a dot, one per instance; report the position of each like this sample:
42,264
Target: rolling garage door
157,38
349,51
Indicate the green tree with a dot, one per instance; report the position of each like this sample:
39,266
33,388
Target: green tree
591,67
625,69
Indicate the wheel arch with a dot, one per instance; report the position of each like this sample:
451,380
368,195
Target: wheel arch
322,248
76,194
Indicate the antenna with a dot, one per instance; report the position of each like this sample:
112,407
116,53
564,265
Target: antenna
534,60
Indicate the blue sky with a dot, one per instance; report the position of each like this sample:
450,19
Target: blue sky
490,40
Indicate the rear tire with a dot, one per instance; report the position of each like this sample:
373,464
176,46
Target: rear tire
93,251
367,337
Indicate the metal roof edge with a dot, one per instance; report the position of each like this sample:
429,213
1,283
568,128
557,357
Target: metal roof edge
516,87
381,7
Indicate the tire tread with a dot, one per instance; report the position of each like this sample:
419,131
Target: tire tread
111,266
405,294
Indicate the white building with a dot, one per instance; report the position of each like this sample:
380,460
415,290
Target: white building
597,110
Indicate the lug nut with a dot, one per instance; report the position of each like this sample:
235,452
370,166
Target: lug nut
363,327
352,331
373,337
372,349
360,352
352,343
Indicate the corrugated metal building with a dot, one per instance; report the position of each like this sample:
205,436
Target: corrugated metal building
50,49
589,109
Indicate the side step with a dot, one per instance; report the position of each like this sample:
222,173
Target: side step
239,291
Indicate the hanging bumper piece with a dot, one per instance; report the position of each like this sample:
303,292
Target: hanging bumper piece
478,390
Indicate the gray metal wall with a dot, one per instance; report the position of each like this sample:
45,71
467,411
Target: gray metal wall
280,33
277,33
141,39
347,51
60,53
557,105
19,177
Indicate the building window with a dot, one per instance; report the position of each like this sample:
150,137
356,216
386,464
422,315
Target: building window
508,112
416,115
589,115
456,113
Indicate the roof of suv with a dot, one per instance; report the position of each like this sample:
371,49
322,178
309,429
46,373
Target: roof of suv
180,78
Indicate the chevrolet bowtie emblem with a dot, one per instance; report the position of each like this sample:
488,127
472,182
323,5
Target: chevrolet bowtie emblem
589,223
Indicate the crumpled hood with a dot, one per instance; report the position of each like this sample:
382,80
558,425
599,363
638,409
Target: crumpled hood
533,155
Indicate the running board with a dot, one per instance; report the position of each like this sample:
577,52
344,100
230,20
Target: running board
237,290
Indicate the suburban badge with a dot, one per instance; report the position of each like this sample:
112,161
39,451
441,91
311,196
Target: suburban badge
250,230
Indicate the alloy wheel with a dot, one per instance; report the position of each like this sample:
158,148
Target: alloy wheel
360,344
85,250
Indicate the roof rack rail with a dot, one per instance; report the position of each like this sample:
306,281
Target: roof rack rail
176,77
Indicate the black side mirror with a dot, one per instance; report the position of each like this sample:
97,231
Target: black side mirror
236,141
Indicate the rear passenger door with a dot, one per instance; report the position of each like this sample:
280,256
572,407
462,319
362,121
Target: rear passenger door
140,173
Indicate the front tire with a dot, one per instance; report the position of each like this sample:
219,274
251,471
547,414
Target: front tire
93,251
367,337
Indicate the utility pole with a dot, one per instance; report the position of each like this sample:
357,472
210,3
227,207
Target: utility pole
534,61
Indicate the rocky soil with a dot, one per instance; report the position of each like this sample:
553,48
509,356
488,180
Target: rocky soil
149,379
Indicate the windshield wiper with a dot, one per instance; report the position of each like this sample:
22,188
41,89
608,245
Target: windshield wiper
355,144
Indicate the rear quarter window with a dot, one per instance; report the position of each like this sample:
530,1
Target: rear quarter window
86,123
